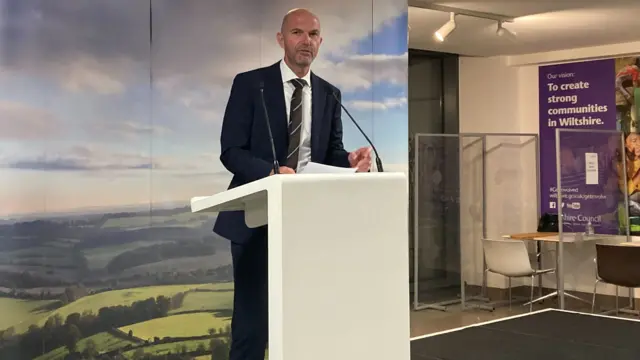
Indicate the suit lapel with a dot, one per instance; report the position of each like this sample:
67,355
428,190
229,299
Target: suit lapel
318,100
274,99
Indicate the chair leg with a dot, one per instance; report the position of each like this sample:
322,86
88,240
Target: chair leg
483,292
617,306
593,302
533,281
509,293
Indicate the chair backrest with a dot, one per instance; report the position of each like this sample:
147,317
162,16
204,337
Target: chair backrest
619,265
507,257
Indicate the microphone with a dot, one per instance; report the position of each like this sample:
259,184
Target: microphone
276,166
378,161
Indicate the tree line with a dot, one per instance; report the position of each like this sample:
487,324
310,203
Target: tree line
159,252
58,332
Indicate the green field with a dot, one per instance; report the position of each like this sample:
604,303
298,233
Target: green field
21,313
98,258
206,301
50,257
217,286
125,297
184,325
219,297
164,349
104,342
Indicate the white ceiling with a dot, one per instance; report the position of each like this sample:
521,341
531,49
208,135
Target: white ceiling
540,26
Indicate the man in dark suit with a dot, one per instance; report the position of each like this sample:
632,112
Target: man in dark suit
306,125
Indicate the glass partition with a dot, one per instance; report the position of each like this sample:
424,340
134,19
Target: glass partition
596,201
436,268
473,219
509,207
468,188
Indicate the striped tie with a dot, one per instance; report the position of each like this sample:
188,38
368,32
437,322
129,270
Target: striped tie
295,123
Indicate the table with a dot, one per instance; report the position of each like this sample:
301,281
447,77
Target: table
555,238
544,334
630,243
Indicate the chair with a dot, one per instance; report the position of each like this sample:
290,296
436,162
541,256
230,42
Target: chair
510,258
617,265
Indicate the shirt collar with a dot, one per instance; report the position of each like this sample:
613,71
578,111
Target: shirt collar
288,74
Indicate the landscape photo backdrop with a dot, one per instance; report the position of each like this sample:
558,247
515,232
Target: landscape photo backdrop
110,115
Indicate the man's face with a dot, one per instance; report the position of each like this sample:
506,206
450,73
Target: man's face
300,38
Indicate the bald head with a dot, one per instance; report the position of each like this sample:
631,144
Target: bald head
300,38
296,14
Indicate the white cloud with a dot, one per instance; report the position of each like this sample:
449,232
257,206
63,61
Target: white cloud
20,121
193,58
81,158
94,158
90,74
208,157
199,68
77,45
128,130
386,104
206,102
189,42
360,72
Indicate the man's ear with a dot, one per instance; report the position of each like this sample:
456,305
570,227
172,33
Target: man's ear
280,40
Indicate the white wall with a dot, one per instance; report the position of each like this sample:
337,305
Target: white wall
500,95
491,94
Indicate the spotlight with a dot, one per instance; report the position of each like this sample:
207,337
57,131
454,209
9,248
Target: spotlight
504,32
446,29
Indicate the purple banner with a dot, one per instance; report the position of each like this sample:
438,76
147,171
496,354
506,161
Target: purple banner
580,96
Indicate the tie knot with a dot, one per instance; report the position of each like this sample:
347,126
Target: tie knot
299,83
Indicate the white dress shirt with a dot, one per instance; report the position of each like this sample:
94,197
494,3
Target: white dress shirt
305,136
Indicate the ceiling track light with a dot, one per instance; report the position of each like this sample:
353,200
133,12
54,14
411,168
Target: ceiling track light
504,32
422,4
447,28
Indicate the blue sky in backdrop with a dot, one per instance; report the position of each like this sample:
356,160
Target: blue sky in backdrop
93,114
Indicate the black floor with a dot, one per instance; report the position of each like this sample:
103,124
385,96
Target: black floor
547,335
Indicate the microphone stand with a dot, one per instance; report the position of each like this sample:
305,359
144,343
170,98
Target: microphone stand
276,165
378,161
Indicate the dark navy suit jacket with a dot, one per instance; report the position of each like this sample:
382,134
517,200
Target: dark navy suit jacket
245,146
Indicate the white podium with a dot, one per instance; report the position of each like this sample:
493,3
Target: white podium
338,262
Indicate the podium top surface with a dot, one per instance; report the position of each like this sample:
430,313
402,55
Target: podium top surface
233,199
